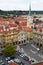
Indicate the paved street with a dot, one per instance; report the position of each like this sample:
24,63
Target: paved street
32,52
3,58
25,62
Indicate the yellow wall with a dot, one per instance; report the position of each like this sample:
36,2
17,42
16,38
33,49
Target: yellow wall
30,34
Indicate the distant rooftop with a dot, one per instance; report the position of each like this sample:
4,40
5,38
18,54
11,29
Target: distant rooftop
19,12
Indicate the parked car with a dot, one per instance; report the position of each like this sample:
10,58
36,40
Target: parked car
12,57
22,63
3,63
8,58
22,55
1,53
18,61
38,49
18,53
26,58
9,61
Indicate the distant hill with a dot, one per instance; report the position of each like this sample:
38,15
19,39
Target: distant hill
19,12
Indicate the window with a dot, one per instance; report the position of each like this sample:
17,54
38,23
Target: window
24,40
40,45
37,44
19,42
16,42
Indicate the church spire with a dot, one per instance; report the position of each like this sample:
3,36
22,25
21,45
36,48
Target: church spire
29,19
29,9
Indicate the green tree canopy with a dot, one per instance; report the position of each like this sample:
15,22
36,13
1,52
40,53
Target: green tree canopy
9,50
17,22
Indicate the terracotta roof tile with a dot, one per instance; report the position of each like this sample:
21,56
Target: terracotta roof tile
12,63
23,23
12,25
27,29
39,28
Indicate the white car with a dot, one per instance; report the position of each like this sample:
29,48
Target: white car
7,58
1,61
22,55
10,61
17,60
38,49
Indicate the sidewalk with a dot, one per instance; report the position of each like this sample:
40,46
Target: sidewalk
38,49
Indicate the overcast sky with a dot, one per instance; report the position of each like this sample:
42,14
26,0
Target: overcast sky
21,4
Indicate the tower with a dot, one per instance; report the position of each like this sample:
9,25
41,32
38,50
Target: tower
29,19
30,9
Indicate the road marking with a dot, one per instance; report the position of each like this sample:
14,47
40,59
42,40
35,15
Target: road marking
33,51
40,56
33,46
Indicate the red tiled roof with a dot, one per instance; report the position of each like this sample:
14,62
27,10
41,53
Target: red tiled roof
23,23
39,28
1,27
27,29
12,25
12,63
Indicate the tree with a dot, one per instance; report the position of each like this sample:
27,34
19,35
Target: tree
17,22
9,50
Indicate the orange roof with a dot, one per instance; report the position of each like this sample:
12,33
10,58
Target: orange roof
12,63
1,27
9,23
39,28
23,23
19,27
12,25
27,29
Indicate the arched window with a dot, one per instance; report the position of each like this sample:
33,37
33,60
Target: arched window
40,45
37,44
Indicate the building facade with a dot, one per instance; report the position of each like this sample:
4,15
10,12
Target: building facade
38,35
